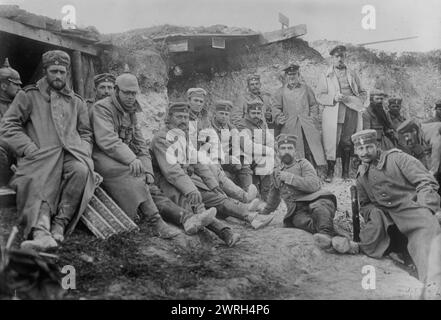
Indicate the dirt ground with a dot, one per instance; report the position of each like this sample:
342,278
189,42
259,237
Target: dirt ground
273,263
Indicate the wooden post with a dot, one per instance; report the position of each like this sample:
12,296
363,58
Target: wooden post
77,69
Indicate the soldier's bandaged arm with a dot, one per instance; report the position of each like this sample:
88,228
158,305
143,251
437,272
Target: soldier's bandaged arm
12,125
107,139
173,173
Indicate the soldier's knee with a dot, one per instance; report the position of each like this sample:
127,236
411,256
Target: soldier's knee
80,170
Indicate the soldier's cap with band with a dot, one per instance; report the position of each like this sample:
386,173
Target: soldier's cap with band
291,68
127,82
438,104
337,49
285,138
395,101
408,126
377,92
55,57
253,76
196,92
364,137
103,77
178,106
223,105
254,105
9,74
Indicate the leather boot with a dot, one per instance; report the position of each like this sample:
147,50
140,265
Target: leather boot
251,194
224,232
240,211
41,241
161,229
345,162
330,172
196,222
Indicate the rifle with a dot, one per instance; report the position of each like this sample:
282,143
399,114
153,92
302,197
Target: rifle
355,214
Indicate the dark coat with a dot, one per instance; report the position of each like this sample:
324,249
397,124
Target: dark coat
406,193
40,125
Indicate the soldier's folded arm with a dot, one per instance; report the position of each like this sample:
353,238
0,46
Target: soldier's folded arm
425,183
173,173
84,127
323,95
107,139
12,125
308,182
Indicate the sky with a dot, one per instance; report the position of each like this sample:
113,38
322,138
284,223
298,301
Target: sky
339,20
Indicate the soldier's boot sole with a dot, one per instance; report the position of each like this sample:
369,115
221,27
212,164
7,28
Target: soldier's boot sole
260,221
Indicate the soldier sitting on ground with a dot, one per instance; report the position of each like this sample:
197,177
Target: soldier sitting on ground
308,206
10,83
398,202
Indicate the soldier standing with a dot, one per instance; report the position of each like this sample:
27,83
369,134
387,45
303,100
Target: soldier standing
374,117
296,112
341,93
394,113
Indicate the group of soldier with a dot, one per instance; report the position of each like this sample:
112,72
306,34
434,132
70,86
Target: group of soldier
60,146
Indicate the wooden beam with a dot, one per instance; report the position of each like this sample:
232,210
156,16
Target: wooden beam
181,46
16,28
77,68
280,35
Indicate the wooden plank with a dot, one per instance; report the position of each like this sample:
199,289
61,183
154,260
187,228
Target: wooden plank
77,68
16,28
181,46
280,35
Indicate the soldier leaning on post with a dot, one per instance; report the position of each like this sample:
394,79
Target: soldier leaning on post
374,117
10,84
47,126
398,202
257,131
184,179
295,111
104,87
121,154
309,207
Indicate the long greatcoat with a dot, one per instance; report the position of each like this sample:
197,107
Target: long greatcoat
406,194
328,86
297,105
119,141
40,125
